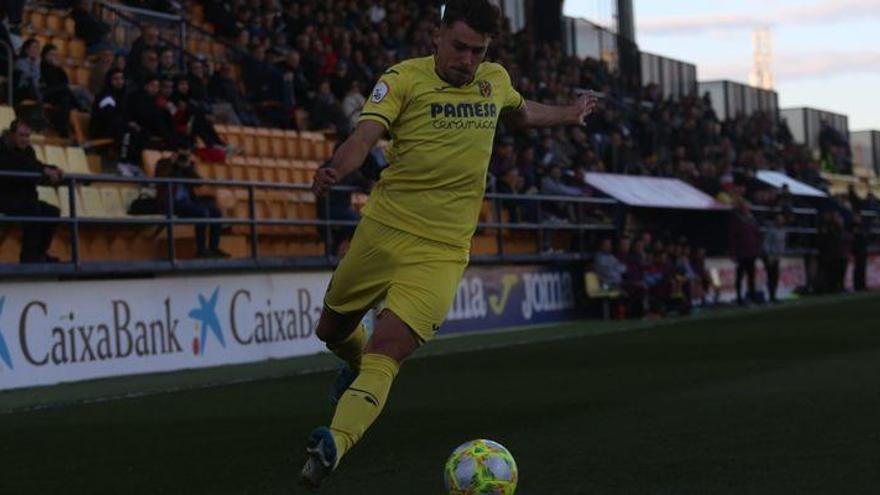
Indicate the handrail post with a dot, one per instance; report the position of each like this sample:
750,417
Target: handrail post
540,219
328,231
252,214
499,232
169,223
74,224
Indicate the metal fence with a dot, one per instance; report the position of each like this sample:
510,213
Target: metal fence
127,22
168,220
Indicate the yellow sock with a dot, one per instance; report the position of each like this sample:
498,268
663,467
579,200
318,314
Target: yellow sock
351,349
361,404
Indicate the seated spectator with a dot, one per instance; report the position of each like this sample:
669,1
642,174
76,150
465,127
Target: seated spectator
5,62
609,269
168,67
56,90
190,118
353,103
326,112
148,40
187,204
26,78
223,90
88,28
153,121
340,207
518,210
19,196
146,69
110,119
552,184
98,74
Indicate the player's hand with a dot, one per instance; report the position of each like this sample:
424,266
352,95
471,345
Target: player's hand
584,106
325,178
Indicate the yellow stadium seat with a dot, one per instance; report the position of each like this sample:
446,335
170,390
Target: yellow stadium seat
55,155
253,169
76,160
150,159
291,144
70,26
61,45
49,195
128,194
38,150
76,50
38,20
54,23
7,115
64,201
112,202
264,142
279,149
92,204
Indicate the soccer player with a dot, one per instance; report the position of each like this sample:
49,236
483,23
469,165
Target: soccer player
411,247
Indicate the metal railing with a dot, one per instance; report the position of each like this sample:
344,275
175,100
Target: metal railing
115,15
168,220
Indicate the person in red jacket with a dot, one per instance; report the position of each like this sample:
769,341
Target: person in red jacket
745,242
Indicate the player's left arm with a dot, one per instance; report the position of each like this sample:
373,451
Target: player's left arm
534,114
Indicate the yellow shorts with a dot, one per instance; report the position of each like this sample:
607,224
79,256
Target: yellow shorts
416,277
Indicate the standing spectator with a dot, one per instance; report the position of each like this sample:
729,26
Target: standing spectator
56,90
19,196
859,232
88,28
188,205
774,250
745,246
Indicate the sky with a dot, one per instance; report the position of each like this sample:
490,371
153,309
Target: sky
826,53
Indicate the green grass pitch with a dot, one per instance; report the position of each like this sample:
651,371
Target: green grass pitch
778,401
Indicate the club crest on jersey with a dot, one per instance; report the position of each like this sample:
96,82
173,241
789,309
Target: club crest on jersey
485,88
379,92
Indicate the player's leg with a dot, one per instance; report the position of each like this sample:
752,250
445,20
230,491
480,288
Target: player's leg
424,281
418,299
361,278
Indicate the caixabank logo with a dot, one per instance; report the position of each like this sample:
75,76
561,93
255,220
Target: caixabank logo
206,320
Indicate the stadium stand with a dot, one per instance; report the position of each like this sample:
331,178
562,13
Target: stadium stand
277,128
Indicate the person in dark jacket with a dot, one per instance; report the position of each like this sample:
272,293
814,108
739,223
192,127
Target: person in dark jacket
187,204
55,88
153,120
745,242
859,233
91,30
19,196
110,119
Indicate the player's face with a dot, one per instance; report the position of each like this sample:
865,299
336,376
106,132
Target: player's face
460,50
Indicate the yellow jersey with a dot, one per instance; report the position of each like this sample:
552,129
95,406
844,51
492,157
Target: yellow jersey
441,143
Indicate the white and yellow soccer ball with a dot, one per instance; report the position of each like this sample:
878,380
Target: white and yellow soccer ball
481,467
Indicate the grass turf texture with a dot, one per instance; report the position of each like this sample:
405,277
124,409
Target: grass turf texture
780,401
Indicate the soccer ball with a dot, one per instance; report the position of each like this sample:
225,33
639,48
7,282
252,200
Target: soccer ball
480,467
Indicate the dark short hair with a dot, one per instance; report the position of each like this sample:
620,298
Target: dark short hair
481,15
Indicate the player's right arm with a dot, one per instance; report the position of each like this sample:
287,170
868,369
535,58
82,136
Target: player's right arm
378,115
349,157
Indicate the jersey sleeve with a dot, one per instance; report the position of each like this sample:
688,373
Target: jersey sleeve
386,99
512,98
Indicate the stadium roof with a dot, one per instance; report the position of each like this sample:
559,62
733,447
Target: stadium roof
778,179
653,192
